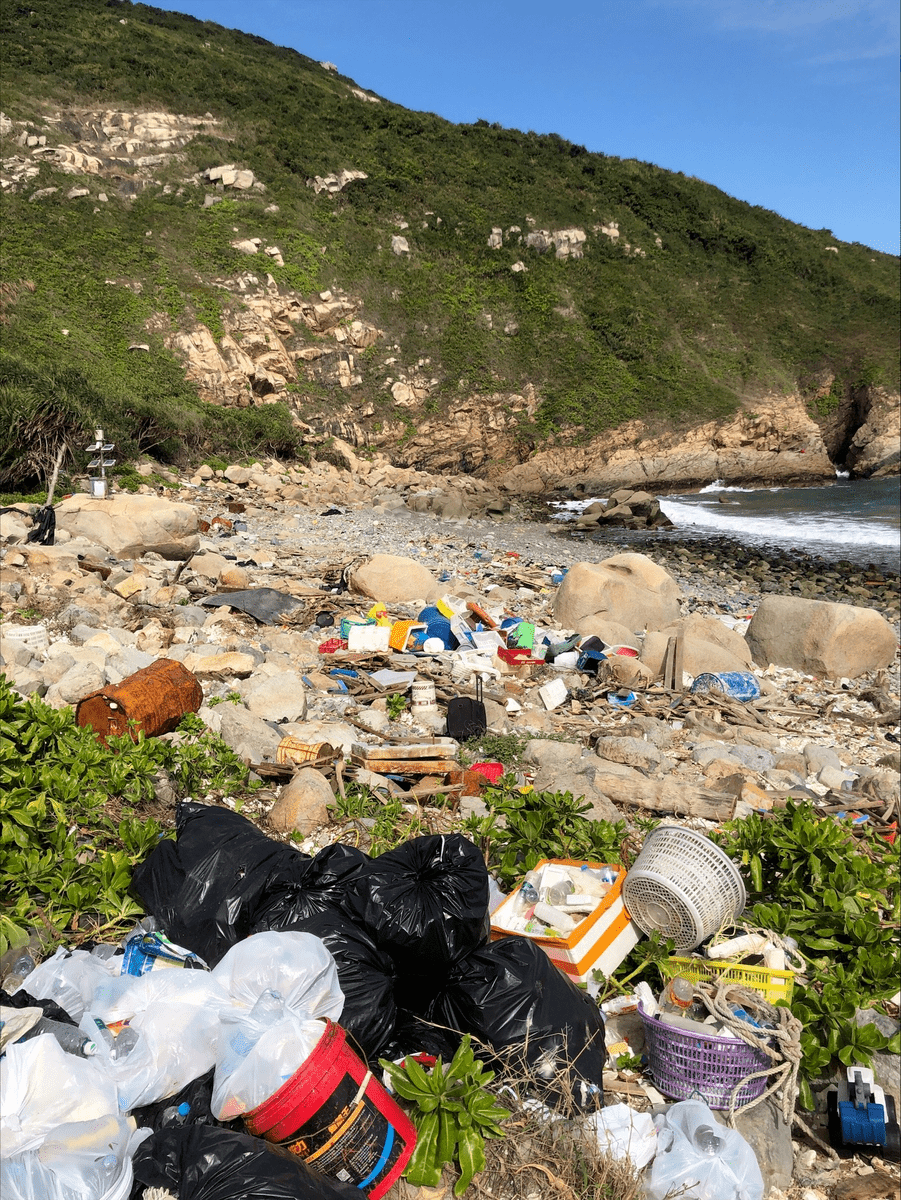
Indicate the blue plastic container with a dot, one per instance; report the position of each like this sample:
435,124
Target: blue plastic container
740,685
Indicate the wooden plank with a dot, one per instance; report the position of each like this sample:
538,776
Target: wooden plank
678,663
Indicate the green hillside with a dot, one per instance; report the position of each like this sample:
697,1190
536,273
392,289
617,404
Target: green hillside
713,302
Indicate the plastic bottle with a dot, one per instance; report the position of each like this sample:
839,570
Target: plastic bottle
739,947
678,999
555,917
124,1043
557,893
19,972
176,1115
70,1037
528,892
708,1141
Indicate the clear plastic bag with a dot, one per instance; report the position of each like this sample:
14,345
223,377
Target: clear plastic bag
699,1159
70,979
298,966
176,1016
259,1051
624,1133
83,1160
42,1087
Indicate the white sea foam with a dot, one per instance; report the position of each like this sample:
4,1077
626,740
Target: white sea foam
719,486
801,529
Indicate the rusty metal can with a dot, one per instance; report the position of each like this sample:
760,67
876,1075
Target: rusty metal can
292,750
155,699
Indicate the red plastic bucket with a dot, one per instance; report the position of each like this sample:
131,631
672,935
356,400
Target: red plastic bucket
336,1116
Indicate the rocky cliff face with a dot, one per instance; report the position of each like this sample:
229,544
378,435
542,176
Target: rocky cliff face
320,355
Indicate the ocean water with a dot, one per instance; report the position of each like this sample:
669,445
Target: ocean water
858,521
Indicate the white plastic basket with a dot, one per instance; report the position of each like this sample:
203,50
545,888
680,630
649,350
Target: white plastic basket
683,886
35,637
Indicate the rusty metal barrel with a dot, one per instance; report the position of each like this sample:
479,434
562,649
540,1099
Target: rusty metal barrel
155,699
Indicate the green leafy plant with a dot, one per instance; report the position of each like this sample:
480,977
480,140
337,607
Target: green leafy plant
396,706
538,825
454,1114
839,896
72,819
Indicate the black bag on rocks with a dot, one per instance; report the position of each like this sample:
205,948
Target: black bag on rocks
320,887
511,995
466,717
425,902
206,887
200,1162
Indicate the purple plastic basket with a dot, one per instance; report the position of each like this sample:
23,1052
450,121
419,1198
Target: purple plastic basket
688,1066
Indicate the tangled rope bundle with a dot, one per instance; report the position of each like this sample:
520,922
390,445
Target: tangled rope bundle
781,1043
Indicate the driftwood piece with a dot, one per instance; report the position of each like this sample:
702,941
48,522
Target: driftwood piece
666,796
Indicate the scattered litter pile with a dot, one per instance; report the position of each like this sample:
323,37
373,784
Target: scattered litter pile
440,913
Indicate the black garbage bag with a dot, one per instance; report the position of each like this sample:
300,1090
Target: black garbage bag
426,903
321,887
412,1034
199,1162
366,975
205,888
194,1099
50,1009
511,995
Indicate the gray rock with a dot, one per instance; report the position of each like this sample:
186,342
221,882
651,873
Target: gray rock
764,1129
472,806
17,653
831,777
188,615
816,757
303,803
546,752
249,737
55,668
658,732
79,681
79,634
706,752
73,615
374,719
753,757
633,752
496,718
26,681
280,697
130,660
820,638
886,1067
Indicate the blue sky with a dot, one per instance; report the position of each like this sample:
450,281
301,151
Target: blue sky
789,104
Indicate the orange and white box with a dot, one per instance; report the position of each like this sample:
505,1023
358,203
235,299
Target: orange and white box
600,942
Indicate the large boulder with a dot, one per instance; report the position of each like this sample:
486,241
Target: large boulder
629,589
129,526
392,578
303,803
707,645
838,641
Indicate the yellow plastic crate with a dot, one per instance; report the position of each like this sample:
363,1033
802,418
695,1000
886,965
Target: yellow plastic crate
772,985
